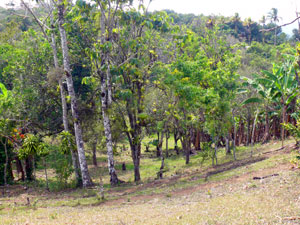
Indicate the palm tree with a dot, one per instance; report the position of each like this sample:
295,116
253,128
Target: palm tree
274,18
263,21
236,20
248,23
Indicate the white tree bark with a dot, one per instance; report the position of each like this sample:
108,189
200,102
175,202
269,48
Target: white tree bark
107,129
64,104
86,180
106,100
62,93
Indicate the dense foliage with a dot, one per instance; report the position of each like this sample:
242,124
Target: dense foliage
107,73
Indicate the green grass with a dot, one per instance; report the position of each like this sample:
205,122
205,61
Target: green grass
185,195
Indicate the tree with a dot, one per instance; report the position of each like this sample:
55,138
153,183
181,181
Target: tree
273,17
86,180
284,86
57,74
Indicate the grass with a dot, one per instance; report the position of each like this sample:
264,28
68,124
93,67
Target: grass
189,194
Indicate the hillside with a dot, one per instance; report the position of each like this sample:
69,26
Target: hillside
262,189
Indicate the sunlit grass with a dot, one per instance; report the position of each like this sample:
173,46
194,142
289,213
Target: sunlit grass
245,202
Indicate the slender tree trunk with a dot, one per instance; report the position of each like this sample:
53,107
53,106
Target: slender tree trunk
176,142
6,161
157,147
197,142
160,173
86,179
234,138
160,143
186,145
66,128
167,144
94,151
266,137
227,144
34,168
106,100
253,132
110,155
248,128
161,170
283,121
46,174
74,156
216,151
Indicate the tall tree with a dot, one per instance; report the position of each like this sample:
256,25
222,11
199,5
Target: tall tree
86,179
274,17
50,9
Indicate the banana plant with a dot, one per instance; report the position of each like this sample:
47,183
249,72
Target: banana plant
278,87
264,97
284,88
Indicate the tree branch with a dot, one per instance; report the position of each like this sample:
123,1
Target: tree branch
265,30
37,20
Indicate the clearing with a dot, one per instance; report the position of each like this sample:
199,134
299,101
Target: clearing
263,189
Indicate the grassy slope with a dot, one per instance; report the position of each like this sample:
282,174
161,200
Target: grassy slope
192,194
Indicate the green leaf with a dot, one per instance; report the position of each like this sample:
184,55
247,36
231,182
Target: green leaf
4,90
290,99
252,100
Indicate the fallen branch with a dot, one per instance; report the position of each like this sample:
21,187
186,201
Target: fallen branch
260,178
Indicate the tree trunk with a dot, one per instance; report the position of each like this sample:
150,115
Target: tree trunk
197,142
160,143
19,167
66,128
110,154
283,121
160,173
28,168
227,145
6,161
248,128
266,137
176,142
45,167
167,144
187,150
157,147
161,170
94,152
234,139
106,93
86,179
136,154
253,132
34,167
187,153
216,150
